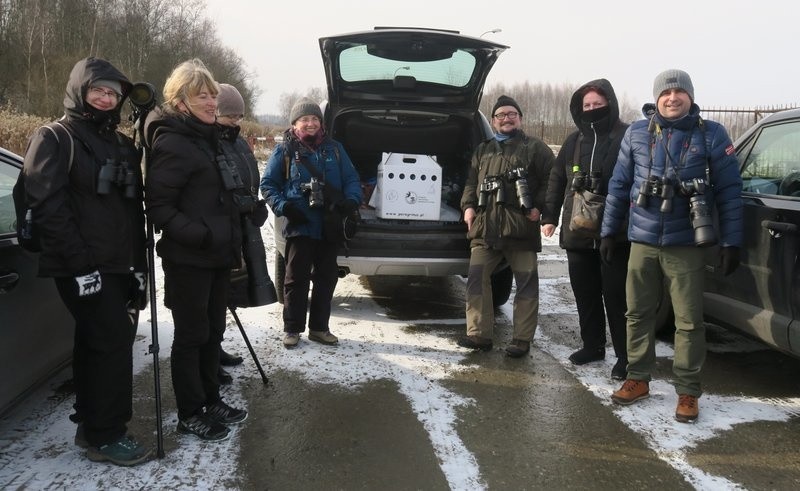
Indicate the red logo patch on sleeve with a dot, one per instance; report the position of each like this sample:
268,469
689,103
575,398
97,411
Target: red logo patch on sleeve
729,150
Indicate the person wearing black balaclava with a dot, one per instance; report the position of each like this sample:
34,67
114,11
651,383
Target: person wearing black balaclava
91,226
587,157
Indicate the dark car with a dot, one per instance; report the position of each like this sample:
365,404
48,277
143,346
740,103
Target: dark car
762,297
36,330
404,103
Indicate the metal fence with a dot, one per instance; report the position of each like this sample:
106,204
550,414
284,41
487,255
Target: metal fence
735,120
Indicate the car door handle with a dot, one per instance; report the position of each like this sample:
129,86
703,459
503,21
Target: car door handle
776,229
8,281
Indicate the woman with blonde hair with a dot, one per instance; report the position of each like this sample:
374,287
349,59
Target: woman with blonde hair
190,190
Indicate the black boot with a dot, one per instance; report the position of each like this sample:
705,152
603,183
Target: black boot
224,377
586,355
229,360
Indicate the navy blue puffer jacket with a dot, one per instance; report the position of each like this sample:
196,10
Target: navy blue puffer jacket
677,150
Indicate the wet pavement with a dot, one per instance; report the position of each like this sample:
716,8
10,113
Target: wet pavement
398,406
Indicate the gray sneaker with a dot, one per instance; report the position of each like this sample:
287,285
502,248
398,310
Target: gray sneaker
324,337
290,339
125,452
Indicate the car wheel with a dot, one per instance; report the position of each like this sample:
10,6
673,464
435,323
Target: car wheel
280,276
502,281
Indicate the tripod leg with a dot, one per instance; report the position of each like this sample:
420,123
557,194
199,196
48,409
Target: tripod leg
154,347
249,346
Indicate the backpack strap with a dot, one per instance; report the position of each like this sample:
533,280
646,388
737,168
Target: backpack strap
58,124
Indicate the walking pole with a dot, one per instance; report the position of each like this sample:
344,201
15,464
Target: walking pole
143,100
249,346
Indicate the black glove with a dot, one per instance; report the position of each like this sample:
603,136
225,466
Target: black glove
260,213
346,206
728,259
294,214
606,249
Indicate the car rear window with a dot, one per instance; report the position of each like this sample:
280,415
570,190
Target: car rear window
454,68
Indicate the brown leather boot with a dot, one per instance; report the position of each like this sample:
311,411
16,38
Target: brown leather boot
688,409
631,391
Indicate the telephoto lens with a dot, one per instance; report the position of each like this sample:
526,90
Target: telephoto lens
524,193
702,221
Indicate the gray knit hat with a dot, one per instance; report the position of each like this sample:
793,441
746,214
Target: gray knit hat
673,79
229,101
304,107
114,85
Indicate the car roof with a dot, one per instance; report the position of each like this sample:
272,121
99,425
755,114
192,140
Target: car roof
773,118
413,66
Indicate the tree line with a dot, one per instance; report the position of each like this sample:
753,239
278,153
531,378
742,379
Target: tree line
40,41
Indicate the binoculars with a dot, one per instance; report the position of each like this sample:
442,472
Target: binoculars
117,174
497,185
581,181
229,173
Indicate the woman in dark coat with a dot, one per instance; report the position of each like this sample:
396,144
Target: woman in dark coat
190,198
586,161
84,187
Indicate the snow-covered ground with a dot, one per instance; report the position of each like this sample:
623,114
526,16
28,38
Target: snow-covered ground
36,449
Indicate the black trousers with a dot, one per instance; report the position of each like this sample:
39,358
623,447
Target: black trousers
596,285
198,299
308,261
102,364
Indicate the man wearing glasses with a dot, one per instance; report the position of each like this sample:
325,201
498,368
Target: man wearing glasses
503,195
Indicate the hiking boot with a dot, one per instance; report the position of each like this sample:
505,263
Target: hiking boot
324,337
290,339
687,410
223,413
229,360
80,437
204,427
518,348
586,355
124,451
475,343
224,377
620,370
631,391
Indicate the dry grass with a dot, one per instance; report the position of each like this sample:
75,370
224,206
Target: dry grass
15,128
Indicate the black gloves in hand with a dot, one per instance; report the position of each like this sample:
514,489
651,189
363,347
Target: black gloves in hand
606,249
346,206
260,214
294,214
728,259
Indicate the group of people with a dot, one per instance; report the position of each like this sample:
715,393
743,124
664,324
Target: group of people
658,180
201,191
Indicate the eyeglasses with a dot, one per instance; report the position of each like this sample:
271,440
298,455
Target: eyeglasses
99,92
235,118
510,115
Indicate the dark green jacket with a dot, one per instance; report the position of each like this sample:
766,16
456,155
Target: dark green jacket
505,225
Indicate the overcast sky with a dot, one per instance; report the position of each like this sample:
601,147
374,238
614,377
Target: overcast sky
739,53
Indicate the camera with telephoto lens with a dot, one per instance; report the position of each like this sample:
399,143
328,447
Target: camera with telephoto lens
519,177
699,213
316,198
117,174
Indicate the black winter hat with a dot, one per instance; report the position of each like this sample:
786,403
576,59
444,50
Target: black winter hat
504,100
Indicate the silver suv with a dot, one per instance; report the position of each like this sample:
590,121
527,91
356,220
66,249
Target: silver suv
412,93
